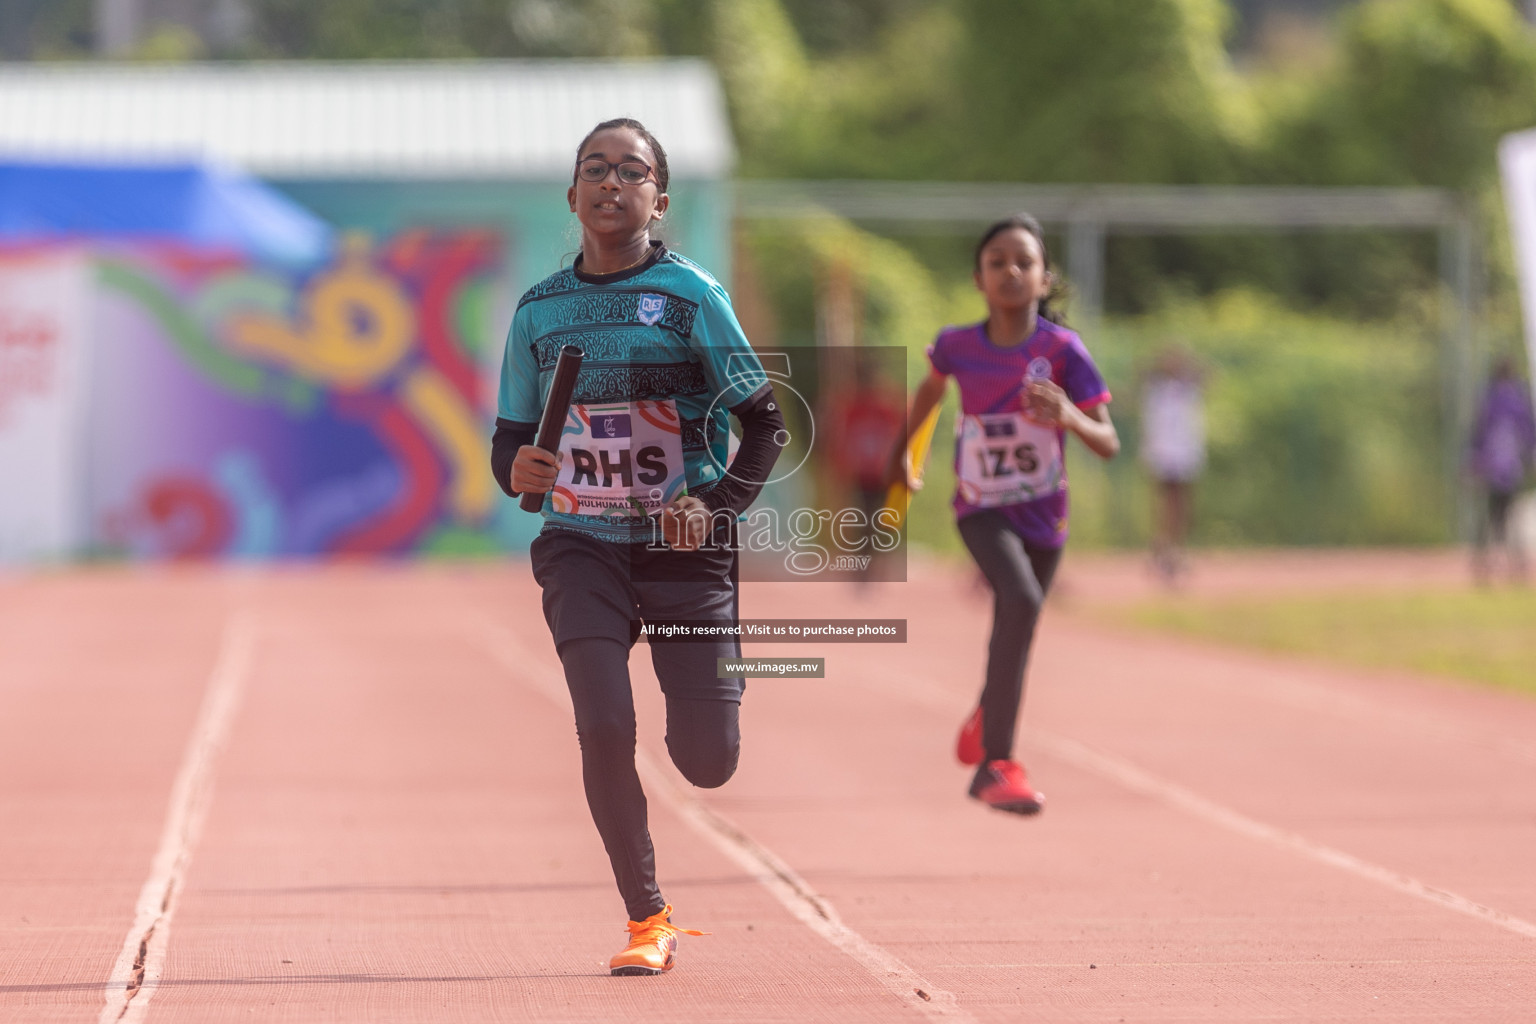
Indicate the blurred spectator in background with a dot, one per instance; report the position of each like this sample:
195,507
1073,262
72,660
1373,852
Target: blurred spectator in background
1503,448
867,421
1173,450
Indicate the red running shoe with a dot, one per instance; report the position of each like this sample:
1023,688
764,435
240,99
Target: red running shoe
1002,784
969,748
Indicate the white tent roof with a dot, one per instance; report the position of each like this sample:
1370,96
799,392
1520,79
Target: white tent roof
424,119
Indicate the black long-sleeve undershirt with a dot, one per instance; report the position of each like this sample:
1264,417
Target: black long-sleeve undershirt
762,424
509,437
761,421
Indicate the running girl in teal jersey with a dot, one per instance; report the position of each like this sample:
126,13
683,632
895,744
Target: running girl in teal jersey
639,522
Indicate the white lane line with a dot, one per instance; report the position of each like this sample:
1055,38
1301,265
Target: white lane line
1134,778
1267,964
1130,776
1314,697
797,896
767,868
1286,690
137,972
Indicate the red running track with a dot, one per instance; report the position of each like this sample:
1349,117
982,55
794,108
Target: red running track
352,794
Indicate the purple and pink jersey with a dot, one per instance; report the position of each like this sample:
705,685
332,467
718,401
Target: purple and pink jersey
992,380
1504,436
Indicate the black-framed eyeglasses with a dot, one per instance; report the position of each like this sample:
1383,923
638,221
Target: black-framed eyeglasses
631,172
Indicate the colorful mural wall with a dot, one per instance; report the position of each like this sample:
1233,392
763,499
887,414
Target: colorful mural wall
250,411
44,325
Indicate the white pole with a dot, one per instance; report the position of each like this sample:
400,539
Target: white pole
1517,168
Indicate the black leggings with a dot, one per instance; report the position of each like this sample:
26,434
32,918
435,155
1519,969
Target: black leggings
1495,526
703,738
1020,575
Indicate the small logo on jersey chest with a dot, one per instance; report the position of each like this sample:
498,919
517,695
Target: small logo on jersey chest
650,309
612,425
1039,368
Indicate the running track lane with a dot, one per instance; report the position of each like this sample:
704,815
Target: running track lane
1277,866
100,682
1185,916
400,816
399,834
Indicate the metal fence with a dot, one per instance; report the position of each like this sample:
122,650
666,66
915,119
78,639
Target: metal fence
1088,214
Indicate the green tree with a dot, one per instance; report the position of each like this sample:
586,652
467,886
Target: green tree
1059,90
1419,94
406,29
1098,90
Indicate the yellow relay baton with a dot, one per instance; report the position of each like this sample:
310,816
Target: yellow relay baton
898,496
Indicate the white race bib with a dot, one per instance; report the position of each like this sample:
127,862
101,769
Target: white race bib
1006,459
624,459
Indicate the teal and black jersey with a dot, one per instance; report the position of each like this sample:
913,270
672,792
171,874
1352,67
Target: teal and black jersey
662,332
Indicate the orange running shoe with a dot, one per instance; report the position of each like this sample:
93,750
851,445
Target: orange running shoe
652,945
968,748
1003,785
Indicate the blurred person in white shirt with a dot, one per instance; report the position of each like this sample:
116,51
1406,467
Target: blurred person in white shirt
1173,450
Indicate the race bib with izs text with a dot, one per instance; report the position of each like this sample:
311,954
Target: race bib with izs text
1007,459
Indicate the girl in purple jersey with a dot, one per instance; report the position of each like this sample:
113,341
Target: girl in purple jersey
1025,382
1503,448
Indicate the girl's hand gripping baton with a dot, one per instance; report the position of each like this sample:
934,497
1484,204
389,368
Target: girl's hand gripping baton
556,408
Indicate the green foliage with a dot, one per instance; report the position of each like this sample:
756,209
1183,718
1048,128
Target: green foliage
1320,431
684,28
1419,95
46,29
842,26
377,29
406,29
1480,637
1097,90
170,44
900,301
1086,90
883,112
1325,428
764,70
